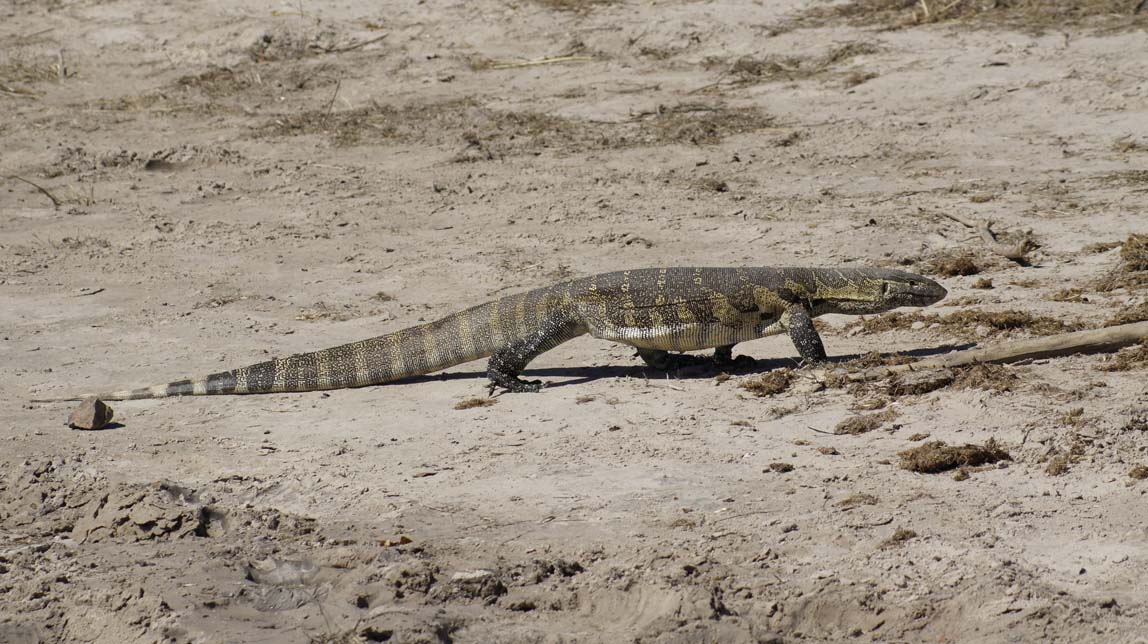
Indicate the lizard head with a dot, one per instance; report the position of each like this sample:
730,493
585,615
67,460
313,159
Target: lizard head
873,290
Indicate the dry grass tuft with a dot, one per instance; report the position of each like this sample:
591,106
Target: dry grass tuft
990,377
1126,359
574,6
490,133
856,500
900,536
1030,16
1129,315
952,265
1132,273
748,70
769,384
935,456
471,403
864,423
691,124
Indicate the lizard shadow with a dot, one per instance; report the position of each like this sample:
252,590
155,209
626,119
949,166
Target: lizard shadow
581,375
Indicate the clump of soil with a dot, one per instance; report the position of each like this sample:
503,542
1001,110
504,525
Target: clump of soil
937,456
983,283
769,384
1139,472
711,184
864,423
471,403
781,468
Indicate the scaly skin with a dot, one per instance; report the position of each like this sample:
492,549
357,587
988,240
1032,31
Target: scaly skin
656,310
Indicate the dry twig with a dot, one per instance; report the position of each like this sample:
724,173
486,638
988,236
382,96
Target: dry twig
1017,252
1093,341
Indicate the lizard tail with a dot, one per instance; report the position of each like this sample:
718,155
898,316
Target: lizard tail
464,336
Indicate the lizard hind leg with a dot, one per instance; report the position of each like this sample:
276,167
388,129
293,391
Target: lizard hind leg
797,321
508,362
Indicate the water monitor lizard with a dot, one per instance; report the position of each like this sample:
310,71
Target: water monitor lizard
656,310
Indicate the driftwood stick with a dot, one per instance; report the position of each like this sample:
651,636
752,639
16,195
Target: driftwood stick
1017,252
1093,341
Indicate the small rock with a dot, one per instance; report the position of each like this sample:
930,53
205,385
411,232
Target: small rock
93,413
918,325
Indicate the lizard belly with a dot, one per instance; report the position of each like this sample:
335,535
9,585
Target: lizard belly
687,337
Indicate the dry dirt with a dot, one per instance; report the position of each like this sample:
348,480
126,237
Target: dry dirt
238,180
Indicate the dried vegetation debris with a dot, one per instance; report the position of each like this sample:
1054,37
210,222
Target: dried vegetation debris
1031,16
748,70
856,500
985,376
498,132
937,456
899,536
953,264
1129,315
965,323
769,384
1132,272
865,423
472,403
1130,358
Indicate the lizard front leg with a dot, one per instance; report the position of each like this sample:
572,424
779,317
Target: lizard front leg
508,362
797,321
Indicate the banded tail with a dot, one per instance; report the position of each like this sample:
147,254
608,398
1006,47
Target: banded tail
461,337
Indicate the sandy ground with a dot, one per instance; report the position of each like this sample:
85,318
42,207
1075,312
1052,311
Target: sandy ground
238,182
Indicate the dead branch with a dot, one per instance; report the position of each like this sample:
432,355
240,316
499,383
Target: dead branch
1017,252
55,202
1093,341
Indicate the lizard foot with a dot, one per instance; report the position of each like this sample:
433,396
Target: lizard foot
666,361
735,362
514,385
724,359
